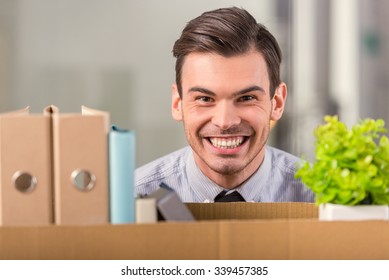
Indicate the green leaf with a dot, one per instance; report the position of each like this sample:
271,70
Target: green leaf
351,165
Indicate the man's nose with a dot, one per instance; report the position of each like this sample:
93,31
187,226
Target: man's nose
225,115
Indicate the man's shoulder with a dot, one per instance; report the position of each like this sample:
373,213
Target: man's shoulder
283,160
161,168
284,167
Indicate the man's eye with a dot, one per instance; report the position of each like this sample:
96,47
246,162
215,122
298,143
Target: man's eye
247,98
204,99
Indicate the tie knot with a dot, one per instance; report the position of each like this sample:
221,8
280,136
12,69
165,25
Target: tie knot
231,197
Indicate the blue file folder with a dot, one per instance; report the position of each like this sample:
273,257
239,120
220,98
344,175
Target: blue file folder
122,167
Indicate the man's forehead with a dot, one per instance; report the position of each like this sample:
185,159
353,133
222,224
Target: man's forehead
200,69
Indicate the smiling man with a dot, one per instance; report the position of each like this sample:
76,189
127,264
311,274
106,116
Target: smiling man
227,92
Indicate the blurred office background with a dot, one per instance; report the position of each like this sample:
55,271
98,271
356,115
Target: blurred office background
116,56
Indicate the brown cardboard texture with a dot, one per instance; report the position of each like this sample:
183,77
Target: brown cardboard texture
280,231
270,210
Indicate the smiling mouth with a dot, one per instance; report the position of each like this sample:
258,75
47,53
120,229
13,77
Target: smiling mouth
227,142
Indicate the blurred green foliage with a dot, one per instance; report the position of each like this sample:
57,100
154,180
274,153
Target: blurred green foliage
351,165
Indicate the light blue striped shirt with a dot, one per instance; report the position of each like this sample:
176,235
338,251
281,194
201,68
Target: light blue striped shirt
273,182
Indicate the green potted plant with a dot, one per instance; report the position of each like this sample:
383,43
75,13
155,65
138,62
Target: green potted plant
350,174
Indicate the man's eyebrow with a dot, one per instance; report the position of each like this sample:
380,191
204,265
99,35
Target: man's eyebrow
202,90
250,89
240,92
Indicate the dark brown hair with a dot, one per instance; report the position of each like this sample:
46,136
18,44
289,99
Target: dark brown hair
228,32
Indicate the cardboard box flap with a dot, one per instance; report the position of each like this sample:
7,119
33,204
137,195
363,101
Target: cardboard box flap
147,241
262,239
173,240
255,210
357,240
255,239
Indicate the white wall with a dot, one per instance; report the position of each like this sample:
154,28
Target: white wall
116,56
110,55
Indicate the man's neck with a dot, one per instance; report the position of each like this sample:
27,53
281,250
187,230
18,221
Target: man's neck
234,180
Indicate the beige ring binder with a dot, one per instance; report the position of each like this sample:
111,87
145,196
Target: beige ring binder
54,167
25,168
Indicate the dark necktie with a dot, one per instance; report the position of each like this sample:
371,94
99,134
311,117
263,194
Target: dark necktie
231,197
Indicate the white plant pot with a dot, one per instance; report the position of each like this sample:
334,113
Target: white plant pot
335,212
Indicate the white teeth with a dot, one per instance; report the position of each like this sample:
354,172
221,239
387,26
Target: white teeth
227,143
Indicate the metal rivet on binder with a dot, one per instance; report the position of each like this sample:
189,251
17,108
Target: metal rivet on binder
83,180
24,182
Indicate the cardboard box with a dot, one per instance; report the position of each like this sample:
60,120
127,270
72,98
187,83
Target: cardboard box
252,211
224,231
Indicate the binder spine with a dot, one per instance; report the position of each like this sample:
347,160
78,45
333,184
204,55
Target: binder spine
122,181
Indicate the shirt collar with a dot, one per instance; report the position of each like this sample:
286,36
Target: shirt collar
206,190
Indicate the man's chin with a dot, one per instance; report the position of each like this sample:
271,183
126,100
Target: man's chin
226,169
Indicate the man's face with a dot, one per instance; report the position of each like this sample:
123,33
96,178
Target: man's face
226,110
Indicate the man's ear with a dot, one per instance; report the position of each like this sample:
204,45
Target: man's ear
278,102
176,104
